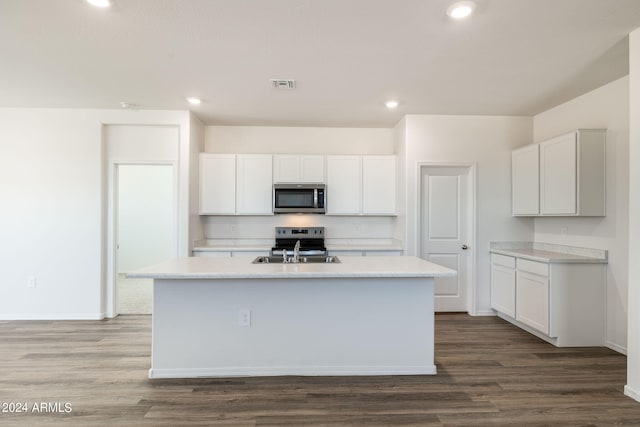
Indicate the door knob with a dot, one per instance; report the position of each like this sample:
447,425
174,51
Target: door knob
465,247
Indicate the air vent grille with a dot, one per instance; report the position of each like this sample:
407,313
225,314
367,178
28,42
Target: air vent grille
283,84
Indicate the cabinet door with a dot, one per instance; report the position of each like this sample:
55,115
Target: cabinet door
255,188
344,185
525,180
532,301
312,169
298,168
286,168
503,289
558,175
217,184
379,185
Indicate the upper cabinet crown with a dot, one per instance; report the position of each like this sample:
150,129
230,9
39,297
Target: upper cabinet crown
298,168
562,176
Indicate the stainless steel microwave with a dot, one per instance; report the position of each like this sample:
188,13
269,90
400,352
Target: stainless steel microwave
299,198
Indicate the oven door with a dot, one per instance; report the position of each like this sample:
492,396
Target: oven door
298,199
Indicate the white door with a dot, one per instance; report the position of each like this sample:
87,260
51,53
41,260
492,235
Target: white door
446,224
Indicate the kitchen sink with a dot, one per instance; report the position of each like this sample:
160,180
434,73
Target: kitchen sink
302,260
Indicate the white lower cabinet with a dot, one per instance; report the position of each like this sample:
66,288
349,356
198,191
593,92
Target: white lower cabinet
532,301
562,303
503,284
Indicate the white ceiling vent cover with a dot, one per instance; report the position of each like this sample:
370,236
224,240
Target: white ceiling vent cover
283,84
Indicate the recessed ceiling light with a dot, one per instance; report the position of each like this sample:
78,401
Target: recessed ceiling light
391,104
100,3
194,101
461,9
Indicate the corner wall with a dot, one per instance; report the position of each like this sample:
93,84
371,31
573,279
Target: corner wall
604,108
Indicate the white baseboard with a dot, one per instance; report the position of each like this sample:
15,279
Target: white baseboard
91,316
484,313
634,394
616,347
259,371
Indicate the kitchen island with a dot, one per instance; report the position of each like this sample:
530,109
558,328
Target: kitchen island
220,317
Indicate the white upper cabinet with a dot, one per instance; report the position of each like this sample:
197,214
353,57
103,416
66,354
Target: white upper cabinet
254,179
217,184
361,185
525,189
312,169
344,185
379,185
571,175
298,168
558,175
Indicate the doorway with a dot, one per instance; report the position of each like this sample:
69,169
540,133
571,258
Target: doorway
145,229
447,231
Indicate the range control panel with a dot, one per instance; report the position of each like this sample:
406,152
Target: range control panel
300,233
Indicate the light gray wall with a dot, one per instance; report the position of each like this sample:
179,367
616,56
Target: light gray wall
604,108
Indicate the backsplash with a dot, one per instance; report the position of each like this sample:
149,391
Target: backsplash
263,227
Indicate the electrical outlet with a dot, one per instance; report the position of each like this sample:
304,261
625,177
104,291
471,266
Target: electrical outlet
31,281
564,231
244,317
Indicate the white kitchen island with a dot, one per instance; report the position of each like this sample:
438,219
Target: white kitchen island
220,317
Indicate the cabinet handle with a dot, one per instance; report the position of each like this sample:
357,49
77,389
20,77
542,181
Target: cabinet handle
465,247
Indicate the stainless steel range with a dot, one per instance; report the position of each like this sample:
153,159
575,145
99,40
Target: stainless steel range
310,241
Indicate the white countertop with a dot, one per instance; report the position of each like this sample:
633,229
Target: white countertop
242,268
550,253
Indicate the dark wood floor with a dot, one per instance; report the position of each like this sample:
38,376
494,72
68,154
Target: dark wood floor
489,374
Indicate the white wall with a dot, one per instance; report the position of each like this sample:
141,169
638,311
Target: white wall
486,141
604,108
53,226
298,140
633,337
146,215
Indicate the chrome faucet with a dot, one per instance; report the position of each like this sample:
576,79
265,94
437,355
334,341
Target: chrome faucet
296,252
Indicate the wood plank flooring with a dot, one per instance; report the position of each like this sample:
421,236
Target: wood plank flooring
490,374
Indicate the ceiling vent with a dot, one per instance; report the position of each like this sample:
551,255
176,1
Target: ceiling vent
283,84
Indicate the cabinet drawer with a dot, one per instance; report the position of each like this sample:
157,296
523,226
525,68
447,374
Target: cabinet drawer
534,267
505,261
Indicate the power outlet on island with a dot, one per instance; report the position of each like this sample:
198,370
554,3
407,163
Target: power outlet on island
31,281
244,317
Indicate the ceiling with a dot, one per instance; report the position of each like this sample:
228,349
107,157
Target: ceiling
513,57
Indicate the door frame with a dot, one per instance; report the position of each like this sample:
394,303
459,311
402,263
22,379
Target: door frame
471,222
112,224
